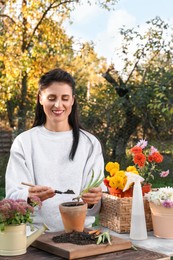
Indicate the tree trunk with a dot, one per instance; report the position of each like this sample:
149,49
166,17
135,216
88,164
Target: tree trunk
131,121
10,111
22,104
122,136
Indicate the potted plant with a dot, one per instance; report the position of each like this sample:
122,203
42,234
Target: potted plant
161,205
116,179
17,212
145,159
14,214
73,213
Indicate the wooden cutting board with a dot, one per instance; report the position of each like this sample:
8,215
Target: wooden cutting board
73,251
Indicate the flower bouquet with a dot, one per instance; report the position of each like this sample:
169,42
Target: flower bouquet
145,161
116,180
17,211
162,197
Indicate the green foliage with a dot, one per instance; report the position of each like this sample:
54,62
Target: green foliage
16,211
104,237
36,30
2,193
3,165
92,184
146,108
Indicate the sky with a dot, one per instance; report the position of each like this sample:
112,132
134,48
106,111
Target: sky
91,23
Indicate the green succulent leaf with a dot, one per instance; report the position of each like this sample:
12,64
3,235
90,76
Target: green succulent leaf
102,238
91,184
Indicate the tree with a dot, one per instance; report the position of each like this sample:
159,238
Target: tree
144,92
32,40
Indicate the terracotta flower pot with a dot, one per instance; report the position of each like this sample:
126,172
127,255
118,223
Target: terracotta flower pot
73,215
146,187
162,219
120,193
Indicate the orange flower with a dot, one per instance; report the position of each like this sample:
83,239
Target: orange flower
155,157
106,182
139,159
136,149
146,159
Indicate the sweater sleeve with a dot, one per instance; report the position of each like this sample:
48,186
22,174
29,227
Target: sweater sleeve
17,172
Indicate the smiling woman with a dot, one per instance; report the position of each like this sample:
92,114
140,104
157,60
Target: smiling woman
57,101
56,154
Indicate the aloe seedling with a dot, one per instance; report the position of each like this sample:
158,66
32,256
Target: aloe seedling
103,237
92,184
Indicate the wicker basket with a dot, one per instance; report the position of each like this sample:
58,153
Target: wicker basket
116,213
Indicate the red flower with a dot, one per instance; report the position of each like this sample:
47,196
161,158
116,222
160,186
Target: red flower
106,182
150,158
136,149
157,157
139,159
146,160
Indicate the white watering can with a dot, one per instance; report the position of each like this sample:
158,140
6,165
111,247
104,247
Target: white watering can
13,240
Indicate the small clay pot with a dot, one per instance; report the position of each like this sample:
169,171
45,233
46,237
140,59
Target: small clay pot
73,215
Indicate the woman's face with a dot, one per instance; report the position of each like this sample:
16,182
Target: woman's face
57,101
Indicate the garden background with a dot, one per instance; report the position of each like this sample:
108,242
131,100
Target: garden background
119,107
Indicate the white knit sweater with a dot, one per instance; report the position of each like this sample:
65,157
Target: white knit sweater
39,156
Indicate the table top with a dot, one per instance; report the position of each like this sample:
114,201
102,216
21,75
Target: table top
36,254
146,249
153,243
151,248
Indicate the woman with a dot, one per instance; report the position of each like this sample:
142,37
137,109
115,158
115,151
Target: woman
56,154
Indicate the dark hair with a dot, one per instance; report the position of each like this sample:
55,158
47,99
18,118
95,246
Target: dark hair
59,75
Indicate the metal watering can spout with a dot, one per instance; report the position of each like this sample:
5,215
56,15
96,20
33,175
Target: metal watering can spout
36,234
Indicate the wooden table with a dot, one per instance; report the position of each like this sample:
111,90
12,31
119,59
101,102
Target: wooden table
129,254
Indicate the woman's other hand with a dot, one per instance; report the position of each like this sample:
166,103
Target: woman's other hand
93,196
42,192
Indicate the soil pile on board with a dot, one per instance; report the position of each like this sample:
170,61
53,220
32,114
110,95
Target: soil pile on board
78,238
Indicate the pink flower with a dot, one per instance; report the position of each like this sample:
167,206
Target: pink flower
164,174
153,150
167,204
35,201
142,143
16,211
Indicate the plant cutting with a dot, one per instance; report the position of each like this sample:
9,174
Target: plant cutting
92,184
17,211
103,237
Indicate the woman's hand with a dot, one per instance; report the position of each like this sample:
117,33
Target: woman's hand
93,196
42,192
